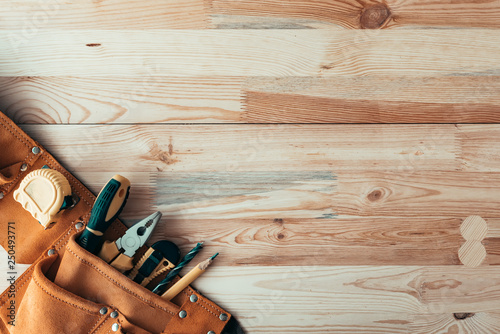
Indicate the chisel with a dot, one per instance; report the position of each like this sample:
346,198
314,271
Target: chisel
107,207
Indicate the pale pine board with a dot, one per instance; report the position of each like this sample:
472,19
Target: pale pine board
32,15
231,52
278,148
353,14
159,99
392,289
225,14
357,299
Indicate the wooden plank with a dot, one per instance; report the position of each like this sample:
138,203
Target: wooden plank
250,52
147,99
271,320
360,193
157,99
354,14
196,14
369,323
344,242
476,152
373,99
485,322
414,290
399,171
265,148
33,16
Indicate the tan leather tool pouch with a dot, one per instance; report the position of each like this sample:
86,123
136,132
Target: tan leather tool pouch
67,289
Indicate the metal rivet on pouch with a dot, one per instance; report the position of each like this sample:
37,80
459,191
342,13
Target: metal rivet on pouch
35,150
114,314
115,327
211,332
78,225
24,167
183,314
104,310
193,298
223,316
2,195
51,252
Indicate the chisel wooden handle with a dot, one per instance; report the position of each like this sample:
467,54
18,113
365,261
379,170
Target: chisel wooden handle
107,207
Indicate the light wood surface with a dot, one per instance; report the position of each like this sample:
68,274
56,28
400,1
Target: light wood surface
329,150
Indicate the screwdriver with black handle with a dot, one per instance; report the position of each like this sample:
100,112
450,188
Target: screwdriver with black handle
107,207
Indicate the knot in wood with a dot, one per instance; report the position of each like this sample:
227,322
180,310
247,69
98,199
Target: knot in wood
462,316
376,194
374,16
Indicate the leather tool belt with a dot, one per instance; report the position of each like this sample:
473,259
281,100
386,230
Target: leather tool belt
67,289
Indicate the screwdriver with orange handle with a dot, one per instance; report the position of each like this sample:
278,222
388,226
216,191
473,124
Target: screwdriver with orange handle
107,207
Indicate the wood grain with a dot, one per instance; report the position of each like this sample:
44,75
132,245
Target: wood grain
367,99
484,322
224,14
373,99
477,153
33,16
342,241
228,52
393,290
354,14
147,99
266,148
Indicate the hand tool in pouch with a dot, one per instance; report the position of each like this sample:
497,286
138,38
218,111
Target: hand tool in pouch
159,258
187,279
45,193
107,207
120,253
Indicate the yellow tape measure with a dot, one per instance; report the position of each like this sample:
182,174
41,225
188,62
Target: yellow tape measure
43,193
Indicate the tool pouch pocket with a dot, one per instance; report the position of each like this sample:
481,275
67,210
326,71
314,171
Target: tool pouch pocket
67,289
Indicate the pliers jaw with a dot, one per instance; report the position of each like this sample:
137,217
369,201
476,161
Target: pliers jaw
137,235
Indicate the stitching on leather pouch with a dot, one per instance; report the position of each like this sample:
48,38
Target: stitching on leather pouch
23,140
201,300
209,304
21,137
64,236
11,183
24,280
96,329
115,282
26,277
74,305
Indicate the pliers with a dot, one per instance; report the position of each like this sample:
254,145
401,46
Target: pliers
120,253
